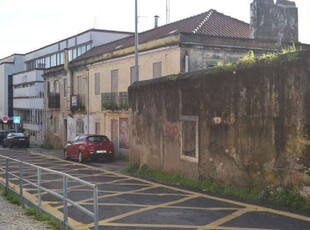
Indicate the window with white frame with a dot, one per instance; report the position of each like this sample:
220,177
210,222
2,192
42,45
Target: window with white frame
97,83
114,81
189,142
79,126
132,74
157,69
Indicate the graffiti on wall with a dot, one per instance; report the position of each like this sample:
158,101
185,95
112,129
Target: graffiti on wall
123,133
171,131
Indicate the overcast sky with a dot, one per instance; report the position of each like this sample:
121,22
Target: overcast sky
27,25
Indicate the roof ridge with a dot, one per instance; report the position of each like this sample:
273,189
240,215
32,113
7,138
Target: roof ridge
235,19
209,13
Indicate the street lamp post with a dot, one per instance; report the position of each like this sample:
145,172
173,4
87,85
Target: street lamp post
136,42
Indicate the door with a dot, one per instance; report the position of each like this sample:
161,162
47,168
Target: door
114,134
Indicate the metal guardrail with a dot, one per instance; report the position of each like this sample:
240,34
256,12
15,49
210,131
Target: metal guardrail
40,188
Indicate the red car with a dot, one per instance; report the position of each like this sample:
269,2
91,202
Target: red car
89,147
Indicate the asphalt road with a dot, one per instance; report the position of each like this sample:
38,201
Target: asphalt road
131,203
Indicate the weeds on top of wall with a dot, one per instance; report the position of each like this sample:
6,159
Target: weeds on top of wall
249,58
290,49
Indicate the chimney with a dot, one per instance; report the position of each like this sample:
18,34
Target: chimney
272,21
156,17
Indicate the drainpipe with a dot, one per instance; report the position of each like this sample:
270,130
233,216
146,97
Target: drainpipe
186,62
88,101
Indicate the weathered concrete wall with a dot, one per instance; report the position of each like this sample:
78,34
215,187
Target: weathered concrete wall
253,123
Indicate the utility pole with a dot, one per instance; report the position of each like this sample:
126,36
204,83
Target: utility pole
136,42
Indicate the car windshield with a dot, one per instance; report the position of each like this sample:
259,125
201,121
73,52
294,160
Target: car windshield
97,139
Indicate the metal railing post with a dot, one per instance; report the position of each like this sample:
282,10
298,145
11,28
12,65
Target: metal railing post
39,188
96,210
65,204
21,195
6,174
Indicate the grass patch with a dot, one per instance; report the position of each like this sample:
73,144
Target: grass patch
38,216
284,198
10,196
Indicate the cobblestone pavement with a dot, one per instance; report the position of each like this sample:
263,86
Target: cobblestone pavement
13,217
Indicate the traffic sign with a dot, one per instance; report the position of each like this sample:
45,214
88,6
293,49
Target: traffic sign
16,119
5,118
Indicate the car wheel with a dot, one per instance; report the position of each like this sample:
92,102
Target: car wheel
3,145
11,145
80,157
66,155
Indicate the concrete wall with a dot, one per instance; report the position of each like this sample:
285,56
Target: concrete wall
253,124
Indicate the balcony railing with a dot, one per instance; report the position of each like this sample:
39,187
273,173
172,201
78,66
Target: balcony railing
77,103
114,101
53,100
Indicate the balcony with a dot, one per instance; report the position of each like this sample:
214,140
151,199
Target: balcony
114,101
54,101
77,103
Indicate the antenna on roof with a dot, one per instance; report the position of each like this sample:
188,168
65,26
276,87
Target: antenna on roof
95,21
167,11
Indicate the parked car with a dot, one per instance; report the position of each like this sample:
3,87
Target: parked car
16,139
89,147
4,133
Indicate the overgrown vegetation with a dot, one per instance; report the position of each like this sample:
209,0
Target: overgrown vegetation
283,198
35,213
249,58
38,216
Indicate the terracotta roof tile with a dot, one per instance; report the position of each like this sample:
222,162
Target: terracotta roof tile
208,23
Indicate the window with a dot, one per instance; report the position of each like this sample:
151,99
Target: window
114,81
47,62
132,74
80,85
189,142
65,87
60,58
157,70
56,87
53,60
56,124
97,128
97,83
79,126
